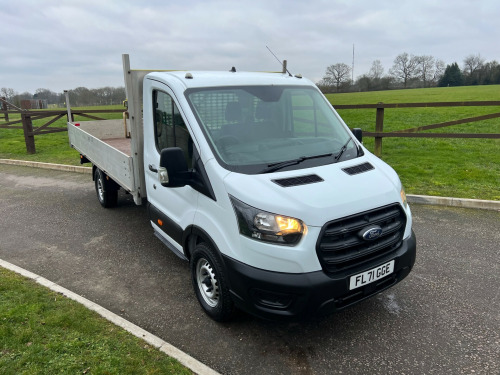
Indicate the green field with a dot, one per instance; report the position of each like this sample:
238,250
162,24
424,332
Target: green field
464,168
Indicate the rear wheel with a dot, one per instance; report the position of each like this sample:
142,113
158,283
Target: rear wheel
107,193
209,283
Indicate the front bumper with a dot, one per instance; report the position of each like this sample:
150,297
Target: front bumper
270,294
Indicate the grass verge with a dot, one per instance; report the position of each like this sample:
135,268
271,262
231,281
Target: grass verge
42,332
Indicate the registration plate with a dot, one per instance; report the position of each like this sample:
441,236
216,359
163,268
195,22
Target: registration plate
372,275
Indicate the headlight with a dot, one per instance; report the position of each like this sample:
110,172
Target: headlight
403,197
266,226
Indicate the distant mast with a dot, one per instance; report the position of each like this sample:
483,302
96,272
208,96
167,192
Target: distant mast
352,70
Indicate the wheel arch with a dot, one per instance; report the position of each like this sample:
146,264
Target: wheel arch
192,236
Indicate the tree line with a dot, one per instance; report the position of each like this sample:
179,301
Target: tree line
407,71
79,97
410,71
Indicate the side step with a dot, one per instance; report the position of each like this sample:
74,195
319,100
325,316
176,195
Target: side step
171,247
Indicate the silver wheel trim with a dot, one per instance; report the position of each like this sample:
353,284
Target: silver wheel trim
100,189
209,293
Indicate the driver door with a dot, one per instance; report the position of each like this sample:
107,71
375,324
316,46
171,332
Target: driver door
171,210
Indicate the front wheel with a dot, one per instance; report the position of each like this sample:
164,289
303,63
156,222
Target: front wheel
209,284
107,194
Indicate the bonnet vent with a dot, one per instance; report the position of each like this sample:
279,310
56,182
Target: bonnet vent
357,169
300,180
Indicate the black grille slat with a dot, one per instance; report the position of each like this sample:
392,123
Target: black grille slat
357,169
368,250
341,246
299,180
358,224
353,239
392,228
337,267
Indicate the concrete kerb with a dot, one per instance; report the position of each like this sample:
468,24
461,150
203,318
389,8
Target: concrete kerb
417,199
194,365
57,167
454,202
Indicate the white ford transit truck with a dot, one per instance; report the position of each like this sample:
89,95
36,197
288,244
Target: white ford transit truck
256,181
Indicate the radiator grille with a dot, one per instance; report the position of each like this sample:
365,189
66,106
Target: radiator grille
341,245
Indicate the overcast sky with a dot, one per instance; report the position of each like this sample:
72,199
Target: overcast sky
58,44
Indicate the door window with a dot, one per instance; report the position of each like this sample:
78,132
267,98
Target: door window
170,128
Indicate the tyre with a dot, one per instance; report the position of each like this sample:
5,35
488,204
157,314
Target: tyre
107,194
209,282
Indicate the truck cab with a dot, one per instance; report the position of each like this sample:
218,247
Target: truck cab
279,208
257,181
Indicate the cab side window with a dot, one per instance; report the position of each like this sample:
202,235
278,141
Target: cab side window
170,129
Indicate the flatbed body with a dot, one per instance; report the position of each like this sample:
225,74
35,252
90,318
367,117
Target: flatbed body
116,146
104,144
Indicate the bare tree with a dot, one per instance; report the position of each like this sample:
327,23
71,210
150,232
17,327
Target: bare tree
81,96
490,73
7,93
377,70
49,95
337,74
405,68
473,65
438,71
426,68
118,95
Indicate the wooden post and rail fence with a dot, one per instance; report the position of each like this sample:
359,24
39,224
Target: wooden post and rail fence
379,133
27,118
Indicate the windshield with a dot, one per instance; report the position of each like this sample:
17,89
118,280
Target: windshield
253,128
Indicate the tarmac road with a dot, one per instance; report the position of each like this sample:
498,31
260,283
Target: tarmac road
444,318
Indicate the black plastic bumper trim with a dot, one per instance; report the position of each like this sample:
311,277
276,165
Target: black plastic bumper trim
310,293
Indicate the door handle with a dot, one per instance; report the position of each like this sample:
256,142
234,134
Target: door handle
152,168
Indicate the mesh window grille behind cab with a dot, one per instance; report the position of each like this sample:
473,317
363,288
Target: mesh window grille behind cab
211,107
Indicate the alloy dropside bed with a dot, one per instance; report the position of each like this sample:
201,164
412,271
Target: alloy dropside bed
104,144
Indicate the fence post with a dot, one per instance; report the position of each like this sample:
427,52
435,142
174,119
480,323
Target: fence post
5,108
379,128
29,138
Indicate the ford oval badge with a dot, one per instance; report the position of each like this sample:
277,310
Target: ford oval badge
372,233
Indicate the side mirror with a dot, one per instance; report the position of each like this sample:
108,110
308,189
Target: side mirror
358,133
173,171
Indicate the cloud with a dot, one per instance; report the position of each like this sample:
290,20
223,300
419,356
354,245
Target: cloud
60,45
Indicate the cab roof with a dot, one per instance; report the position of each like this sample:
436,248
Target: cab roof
198,79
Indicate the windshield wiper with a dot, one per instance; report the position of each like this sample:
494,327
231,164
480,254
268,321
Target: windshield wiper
342,150
282,164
